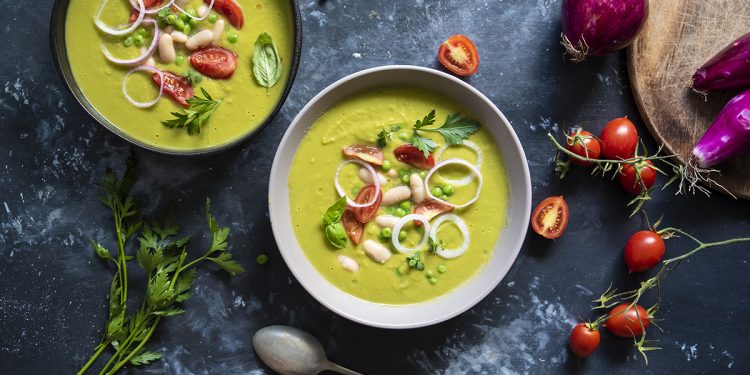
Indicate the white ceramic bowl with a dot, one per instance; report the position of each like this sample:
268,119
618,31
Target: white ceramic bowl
467,294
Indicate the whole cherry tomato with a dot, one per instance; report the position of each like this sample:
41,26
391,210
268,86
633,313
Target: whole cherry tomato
584,340
619,139
584,144
643,251
626,321
629,177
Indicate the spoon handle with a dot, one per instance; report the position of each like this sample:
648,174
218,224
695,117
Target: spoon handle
341,369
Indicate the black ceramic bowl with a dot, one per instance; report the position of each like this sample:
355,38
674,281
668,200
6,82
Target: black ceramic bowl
60,54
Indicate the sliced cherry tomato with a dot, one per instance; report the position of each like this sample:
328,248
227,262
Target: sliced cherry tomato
619,139
369,154
366,214
354,229
643,250
550,217
431,208
410,154
214,62
231,10
584,340
459,55
177,87
148,4
584,144
630,181
624,321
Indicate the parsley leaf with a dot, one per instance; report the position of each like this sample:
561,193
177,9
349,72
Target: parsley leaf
386,135
436,246
195,116
415,261
456,128
192,76
425,145
145,358
426,121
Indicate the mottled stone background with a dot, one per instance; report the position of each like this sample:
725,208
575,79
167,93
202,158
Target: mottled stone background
53,289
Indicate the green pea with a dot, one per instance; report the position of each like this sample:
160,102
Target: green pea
404,137
448,190
386,232
142,32
429,275
422,174
128,41
405,178
390,210
386,164
213,18
401,236
179,60
192,12
179,24
403,172
400,212
406,205
437,192
187,29
184,17
262,259
399,272
232,38
138,40
193,22
171,19
441,268
432,280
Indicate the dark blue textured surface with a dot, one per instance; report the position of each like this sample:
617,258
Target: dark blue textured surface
52,295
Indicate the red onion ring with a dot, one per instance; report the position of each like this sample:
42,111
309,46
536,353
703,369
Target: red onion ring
111,31
142,57
154,10
137,69
375,179
400,224
466,164
210,6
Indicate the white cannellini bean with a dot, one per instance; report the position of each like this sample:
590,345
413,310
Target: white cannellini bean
386,221
348,264
202,38
417,188
202,11
218,30
396,195
166,49
179,37
366,177
376,251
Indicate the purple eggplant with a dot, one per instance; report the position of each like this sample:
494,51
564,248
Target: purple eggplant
729,134
729,69
599,27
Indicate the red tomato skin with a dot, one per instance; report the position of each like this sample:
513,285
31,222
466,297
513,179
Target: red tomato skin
625,324
231,10
366,214
629,182
590,148
354,229
583,340
643,251
551,205
175,86
369,154
214,62
430,208
469,49
619,139
148,4
410,154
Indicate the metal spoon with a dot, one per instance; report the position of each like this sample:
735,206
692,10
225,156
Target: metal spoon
291,351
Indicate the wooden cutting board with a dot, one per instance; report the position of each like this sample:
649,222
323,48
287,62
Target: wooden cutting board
678,37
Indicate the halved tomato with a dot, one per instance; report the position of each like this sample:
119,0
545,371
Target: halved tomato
431,208
231,10
369,154
148,4
410,154
214,62
550,218
177,87
459,55
366,214
354,229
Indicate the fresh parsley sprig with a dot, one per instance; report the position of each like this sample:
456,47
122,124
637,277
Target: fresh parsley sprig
455,130
386,135
192,76
195,116
415,261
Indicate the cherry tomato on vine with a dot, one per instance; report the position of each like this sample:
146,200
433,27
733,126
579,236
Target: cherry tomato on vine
550,217
643,250
583,143
628,177
623,320
584,340
619,139
459,55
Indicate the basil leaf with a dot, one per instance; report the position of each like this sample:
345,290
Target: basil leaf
266,61
336,235
334,213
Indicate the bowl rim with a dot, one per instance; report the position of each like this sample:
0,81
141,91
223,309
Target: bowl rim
62,64
276,179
